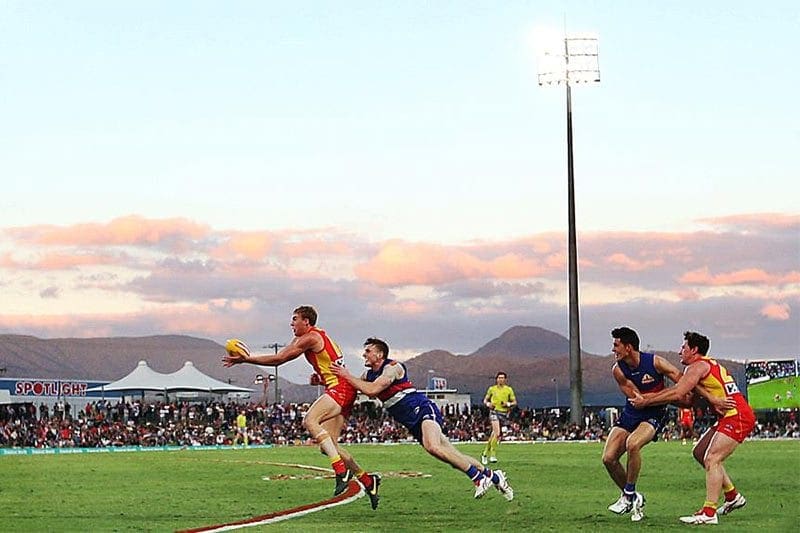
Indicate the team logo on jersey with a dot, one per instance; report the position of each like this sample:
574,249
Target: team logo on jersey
646,379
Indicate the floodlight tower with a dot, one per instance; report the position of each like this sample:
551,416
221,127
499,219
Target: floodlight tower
575,61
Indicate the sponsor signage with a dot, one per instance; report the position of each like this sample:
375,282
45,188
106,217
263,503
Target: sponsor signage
438,383
35,388
50,388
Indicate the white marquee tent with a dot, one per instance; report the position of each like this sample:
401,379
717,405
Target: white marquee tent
192,379
143,378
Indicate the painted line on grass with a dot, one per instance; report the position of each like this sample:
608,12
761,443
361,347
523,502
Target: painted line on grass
353,492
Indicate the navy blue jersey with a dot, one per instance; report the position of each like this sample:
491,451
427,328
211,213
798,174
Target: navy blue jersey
396,386
406,405
647,379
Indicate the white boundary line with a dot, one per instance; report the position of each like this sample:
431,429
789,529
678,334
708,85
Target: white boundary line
284,515
354,491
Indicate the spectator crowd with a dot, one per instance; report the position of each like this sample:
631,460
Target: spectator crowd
135,423
770,369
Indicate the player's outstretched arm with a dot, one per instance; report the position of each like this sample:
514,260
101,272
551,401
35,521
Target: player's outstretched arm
694,373
720,405
667,369
289,352
370,388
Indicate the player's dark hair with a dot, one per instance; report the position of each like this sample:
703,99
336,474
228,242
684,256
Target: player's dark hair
695,340
626,336
380,344
307,312
501,373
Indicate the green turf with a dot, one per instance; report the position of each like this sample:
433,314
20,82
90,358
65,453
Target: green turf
559,487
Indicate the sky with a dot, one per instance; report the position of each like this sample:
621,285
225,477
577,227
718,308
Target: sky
202,168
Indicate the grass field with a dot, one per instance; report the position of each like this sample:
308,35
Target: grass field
558,486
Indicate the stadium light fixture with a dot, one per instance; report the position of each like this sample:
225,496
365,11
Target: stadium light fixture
275,346
568,60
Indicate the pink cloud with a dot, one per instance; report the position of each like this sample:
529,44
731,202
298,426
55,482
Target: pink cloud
776,311
252,245
316,247
399,263
687,294
404,307
754,221
258,245
632,265
61,261
7,261
513,266
205,318
479,277
176,233
556,261
65,262
52,324
200,319
749,276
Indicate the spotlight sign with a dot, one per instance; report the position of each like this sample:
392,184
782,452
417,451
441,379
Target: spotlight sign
27,389
50,388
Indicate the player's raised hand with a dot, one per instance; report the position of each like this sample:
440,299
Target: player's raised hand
232,358
237,352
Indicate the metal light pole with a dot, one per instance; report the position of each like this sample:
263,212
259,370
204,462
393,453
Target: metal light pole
574,62
275,346
555,381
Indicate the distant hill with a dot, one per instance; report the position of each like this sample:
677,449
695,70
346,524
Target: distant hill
537,363
535,359
524,342
109,359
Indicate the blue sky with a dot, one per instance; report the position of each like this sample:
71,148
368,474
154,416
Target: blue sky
325,152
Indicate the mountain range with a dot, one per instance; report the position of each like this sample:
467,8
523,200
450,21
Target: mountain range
535,359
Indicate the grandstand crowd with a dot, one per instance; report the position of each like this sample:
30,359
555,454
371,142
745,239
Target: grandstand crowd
135,423
770,369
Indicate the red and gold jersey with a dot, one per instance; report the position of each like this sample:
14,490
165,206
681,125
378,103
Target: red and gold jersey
323,360
721,384
686,416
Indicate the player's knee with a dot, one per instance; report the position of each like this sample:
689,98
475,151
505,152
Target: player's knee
609,459
632,447
318,434
431,448
711,460
434,448
311,426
